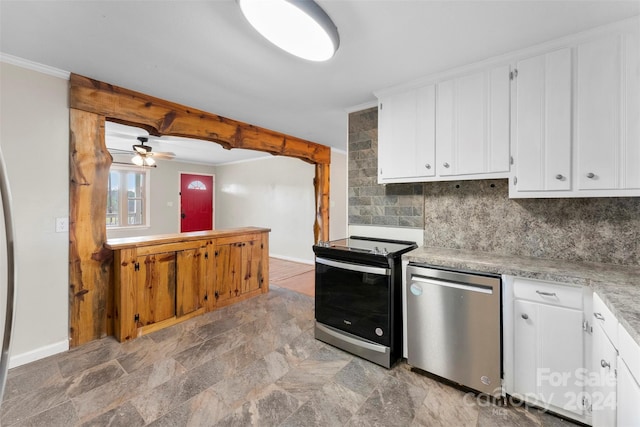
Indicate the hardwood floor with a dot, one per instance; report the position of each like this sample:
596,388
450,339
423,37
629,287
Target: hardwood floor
295,276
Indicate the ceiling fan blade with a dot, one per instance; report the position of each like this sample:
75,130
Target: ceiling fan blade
119,151
163,155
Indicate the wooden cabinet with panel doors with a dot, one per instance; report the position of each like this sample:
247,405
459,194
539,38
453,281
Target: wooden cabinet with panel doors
240,267
159,281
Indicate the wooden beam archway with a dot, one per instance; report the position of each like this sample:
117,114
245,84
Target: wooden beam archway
91,104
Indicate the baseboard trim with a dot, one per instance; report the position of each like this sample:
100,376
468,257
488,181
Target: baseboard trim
38,353
288,258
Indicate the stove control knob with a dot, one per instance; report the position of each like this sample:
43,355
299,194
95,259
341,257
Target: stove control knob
384,252
375,251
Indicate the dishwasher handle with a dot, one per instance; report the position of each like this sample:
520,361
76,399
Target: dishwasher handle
462,286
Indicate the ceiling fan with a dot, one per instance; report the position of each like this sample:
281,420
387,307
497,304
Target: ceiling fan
144,156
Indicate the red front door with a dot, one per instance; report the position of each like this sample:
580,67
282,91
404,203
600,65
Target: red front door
196,202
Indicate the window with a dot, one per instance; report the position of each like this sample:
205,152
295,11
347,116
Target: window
197,185
127,197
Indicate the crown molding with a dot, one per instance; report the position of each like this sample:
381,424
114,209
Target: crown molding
34,66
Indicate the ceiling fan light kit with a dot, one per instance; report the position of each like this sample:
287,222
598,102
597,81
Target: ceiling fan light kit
139,160
299,27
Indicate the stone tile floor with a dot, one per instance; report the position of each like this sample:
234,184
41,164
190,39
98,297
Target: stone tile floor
253,363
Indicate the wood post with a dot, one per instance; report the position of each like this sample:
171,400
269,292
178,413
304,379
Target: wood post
89,261
321,184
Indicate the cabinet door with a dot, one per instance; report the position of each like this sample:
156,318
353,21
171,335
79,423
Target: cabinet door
628,397
190,283
228,271
251,265
472,123
406,123
548,352
156,287
603,395
542,134
607,113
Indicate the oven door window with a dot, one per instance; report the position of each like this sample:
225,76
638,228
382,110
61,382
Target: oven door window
357,302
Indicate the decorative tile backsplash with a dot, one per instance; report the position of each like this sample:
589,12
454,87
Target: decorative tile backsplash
479,215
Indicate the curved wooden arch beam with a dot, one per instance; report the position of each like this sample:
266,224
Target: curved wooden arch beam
92,102
161,117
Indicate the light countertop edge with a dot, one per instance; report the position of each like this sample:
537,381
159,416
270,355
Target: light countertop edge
617,285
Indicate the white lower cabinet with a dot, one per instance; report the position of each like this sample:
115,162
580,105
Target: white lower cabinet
628,397
628,380
544,345
603,376
615,373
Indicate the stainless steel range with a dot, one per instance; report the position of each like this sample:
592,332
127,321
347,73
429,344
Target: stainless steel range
359,296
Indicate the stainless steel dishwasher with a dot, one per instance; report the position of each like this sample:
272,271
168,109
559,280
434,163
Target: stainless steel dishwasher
454,326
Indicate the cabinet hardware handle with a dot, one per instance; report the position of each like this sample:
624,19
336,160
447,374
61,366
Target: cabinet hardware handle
598,316
605,364
445,164
525,316
559,177
428,166
590,175
546,294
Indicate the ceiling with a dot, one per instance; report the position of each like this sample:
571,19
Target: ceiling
203,54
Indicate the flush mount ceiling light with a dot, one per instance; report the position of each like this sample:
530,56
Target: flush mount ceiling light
299,27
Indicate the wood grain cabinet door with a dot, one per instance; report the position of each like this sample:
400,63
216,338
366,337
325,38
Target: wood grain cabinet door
156,287
252,265
228,271
190,281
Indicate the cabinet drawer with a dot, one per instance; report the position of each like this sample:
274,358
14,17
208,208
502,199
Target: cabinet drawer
548,293
629,352
603,316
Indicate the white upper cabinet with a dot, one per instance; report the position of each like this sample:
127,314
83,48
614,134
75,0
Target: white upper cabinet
406,135
607,112
455,129
576,117
566,125
472,124
542,123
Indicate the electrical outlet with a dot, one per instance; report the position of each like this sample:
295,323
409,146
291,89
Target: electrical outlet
62,225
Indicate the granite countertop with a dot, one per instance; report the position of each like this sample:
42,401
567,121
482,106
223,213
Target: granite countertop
617,285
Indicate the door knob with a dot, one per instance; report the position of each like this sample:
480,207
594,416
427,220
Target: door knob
525,316
559,177
591,175
445,164
183,215
605,364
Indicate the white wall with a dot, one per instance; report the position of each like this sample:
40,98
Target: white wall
338,217
274,192
278,193
164,198
34,135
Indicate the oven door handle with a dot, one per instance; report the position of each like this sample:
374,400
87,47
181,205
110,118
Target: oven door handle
353,340
354,267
